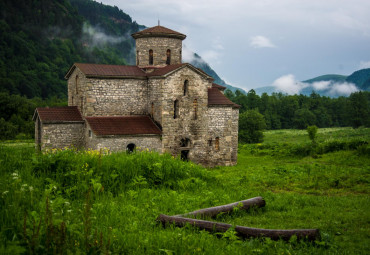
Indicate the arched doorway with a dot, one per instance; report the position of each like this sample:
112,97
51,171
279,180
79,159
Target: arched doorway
130,148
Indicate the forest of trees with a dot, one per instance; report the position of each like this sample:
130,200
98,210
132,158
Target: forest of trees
299,111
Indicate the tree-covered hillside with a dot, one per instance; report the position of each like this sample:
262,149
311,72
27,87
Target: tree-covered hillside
361,78
40,40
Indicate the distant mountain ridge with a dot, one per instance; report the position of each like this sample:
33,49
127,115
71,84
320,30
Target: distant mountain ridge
332,85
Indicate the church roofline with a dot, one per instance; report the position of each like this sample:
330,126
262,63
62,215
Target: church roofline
130,72
158,31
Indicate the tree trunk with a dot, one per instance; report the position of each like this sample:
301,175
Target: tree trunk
245,232
213,211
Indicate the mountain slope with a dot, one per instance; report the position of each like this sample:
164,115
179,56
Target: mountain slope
327,77
360,78
198,62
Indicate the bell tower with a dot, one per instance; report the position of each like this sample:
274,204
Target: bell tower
158,46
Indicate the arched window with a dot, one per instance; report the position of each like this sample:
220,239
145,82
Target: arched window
185,142
131,148
176,109
150,57
76,84
168,54
217,143
195,106
186,85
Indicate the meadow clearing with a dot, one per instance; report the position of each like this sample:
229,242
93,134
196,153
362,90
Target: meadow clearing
97,202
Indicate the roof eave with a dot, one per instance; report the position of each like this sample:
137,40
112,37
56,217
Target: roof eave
149,34
116,76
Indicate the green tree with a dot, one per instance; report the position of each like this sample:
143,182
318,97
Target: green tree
303,118
312,132
251,126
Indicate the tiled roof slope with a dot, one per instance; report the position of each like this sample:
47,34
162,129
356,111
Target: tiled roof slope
120,71
123,125
216,97
158,31
165,70
214,85
59,114
110,70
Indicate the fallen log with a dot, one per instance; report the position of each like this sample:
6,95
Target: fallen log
244,232
213,211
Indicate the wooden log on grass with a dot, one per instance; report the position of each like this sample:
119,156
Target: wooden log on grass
213,211
244,232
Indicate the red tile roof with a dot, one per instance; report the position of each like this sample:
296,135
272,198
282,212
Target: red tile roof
216,97
123,125
59,114
158,31
214,85
110,70
164,70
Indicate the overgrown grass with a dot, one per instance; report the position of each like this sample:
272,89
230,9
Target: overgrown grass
68,202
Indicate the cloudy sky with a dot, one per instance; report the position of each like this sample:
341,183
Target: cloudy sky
254,43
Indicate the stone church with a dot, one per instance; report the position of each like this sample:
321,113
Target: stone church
160,104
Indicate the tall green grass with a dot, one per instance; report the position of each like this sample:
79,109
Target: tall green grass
96,202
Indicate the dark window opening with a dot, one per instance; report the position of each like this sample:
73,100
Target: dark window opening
150,57
90,133
195,105
137,58
168,54
185,142
152,110
82,104
76,84
210,142
185,155
176,109
217,143
130,148
186,84
72,100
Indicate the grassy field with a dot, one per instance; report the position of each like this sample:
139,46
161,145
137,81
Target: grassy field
68,202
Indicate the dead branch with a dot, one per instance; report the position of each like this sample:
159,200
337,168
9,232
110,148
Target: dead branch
213,211
244,232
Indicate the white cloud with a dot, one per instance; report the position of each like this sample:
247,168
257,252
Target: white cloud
342,89
364,64
260,41
288,84
98,36
321,85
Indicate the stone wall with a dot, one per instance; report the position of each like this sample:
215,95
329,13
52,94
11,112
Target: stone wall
155,99
61,135
187,124
159,45
120,143
107,97
76,90
223,125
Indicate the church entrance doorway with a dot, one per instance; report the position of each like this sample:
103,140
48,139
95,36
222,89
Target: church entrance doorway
130,148
184,155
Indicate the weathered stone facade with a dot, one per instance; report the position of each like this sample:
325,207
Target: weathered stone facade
177,107
60,135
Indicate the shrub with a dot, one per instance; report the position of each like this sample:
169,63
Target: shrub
251,126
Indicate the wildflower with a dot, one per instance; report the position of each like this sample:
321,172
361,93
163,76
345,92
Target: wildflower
31,188
5,192
15,176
